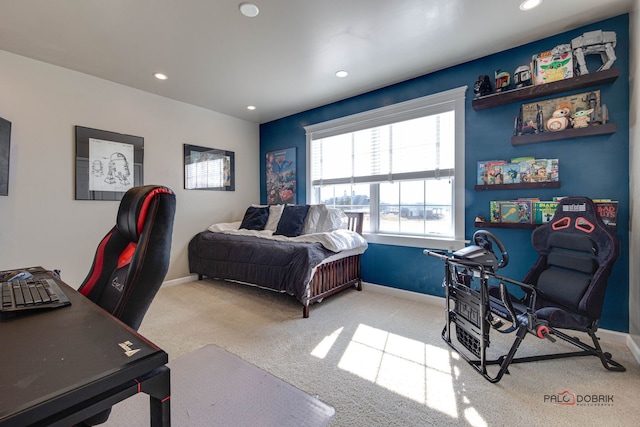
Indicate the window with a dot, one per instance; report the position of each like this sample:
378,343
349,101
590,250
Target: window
403,165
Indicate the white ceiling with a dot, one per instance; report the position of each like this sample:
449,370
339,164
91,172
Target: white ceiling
284,60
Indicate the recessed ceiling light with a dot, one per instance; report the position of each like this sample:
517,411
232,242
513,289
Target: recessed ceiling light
342,73
249,10
251,107
530,4
160,76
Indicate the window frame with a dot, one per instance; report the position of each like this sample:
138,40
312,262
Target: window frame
453,99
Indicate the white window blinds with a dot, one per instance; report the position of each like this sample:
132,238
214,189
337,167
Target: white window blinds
411,140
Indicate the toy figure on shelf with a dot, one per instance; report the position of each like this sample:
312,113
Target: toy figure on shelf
591,43
503,79
581,118
599,114
560,118
528,126
482,86
522,76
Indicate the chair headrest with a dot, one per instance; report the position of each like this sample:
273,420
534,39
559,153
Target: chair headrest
576,221
133,209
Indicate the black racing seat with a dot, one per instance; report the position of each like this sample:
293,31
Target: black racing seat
563,290
577,252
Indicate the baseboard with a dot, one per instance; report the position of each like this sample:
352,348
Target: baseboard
402,293
604,334
179,280
633,346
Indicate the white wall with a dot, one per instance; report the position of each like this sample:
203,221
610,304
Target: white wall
42,224
634,153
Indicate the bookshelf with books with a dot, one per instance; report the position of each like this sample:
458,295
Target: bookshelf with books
538,213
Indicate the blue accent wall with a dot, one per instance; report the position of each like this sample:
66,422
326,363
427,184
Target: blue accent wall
596,167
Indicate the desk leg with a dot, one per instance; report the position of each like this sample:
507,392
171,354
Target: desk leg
158,387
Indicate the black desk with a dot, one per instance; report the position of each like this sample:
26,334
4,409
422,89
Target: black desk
61,366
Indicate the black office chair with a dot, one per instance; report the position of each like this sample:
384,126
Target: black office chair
132,260
564,289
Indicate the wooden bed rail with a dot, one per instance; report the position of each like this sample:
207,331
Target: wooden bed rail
355,220
337,275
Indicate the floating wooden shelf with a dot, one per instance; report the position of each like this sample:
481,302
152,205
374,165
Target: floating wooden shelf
520,186
607,128
538,91
522,225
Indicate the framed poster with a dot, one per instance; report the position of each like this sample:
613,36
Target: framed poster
5,145
107,164
281,176
208,169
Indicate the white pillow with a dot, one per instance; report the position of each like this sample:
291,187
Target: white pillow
316,212
275,212
334,219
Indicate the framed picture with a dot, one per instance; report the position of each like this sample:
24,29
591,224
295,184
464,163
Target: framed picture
208,169
5,145
281,176
107,164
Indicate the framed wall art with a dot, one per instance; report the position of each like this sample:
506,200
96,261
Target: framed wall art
107,164
5,145
208,169
281,176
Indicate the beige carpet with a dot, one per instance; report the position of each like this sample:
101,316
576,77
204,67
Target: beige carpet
379,360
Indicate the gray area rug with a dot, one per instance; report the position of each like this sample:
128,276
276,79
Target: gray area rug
379,360
211,386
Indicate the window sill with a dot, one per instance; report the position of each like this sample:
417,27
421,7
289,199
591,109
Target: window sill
414,241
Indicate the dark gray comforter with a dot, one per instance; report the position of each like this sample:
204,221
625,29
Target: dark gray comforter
281,266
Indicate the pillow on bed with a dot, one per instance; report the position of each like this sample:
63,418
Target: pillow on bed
255,218
275,212
332,219
292,220
316,212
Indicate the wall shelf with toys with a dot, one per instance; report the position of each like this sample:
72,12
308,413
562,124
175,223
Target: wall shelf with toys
538,91
519,186
605,129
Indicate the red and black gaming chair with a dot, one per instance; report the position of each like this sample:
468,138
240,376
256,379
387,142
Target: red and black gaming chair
132,260
563,290
567,283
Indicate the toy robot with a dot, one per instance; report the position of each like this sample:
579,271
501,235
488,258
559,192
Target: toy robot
560,119
595,42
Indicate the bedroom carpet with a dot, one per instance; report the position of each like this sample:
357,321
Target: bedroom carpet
379,360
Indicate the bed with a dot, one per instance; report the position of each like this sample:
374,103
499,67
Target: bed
316,257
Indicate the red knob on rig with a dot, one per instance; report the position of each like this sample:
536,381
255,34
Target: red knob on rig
542,331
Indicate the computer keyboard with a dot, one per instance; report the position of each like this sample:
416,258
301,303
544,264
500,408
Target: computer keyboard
29,294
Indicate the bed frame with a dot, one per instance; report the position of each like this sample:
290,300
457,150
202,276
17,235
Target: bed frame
333,276
337,275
